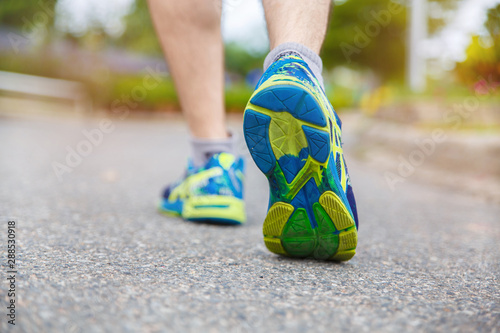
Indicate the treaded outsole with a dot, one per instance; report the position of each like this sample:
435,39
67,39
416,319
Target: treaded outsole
285,120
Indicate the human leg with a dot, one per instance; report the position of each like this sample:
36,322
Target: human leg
212,188
189,33
297,21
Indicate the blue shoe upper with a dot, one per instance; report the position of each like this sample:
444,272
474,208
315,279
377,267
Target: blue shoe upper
223,174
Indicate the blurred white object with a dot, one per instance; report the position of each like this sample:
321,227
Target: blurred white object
46,87
417,33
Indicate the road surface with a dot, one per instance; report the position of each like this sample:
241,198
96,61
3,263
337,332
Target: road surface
93,255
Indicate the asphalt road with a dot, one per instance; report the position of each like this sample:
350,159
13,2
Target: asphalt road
93,254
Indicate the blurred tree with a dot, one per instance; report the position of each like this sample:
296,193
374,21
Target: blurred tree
440,12
372,34
240,61
22,14
493,22
368,34
32,22
139,34
483,54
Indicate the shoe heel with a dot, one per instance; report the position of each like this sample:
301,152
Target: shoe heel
287,230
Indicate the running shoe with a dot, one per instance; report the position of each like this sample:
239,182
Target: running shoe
294,136
213,193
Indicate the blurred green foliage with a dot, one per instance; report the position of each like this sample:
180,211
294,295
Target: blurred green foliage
21,14
368,34
493,22
164,97
240,61
440,12
372,34
483,54
139,35
364,35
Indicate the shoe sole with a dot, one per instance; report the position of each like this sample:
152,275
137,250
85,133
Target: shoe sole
290,139
216,209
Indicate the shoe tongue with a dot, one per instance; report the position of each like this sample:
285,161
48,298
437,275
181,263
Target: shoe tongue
212,161
225,160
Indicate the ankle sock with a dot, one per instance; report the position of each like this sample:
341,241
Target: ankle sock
310,57
203,149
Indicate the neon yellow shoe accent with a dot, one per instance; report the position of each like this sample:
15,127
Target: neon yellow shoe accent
273,226
287,230
338,213
310,170
286,135
182,191
343,255
274,245
218,207
348,240
226,160
336,210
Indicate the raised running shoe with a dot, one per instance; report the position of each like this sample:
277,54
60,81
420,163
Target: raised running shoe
294,136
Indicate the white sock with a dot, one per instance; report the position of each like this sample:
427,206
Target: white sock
312,59
203,149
